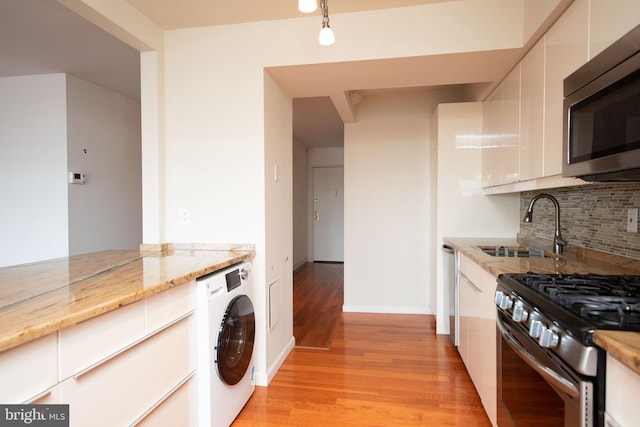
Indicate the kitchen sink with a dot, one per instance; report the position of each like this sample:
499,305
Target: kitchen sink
512,251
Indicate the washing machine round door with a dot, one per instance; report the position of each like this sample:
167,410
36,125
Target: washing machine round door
235,340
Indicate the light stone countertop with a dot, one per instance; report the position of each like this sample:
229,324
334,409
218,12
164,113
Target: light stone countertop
43,297
624,346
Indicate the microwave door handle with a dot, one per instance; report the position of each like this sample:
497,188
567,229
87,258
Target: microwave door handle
554,378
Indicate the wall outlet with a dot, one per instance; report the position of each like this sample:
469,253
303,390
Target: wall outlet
632,220
185,215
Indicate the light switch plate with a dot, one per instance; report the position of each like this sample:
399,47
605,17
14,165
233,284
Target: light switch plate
632,220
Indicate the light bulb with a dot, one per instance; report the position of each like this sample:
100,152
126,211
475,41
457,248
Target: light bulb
326,37
307,6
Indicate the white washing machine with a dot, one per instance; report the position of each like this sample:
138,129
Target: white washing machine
226,334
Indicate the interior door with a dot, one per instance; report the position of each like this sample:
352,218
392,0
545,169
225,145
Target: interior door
328,214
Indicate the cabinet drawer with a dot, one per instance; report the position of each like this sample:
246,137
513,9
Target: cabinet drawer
480,277
87,343
179,409
122,389
165,307
49,396
29,370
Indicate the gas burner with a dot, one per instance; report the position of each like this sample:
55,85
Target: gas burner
601,301
582,284
610,311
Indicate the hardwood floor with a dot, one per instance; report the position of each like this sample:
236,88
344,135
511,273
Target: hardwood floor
379,370
317,303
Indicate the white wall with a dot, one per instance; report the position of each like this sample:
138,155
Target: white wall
103,141
386,205
33,168
278,180
46,123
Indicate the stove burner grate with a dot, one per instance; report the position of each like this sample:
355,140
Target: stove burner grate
609,301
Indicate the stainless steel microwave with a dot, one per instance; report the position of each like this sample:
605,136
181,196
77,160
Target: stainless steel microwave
602,115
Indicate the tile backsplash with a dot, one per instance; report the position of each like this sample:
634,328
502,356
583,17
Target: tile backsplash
593,216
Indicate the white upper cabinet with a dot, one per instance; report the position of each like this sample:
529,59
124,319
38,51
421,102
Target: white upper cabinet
524,115
501,132
532,109
566,51
510,136
610,20
491,135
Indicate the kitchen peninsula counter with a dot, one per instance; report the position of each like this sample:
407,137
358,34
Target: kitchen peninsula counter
43,297
624,346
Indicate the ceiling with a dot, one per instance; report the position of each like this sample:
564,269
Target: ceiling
41,37
173,14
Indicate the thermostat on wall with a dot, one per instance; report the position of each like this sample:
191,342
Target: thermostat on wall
76,178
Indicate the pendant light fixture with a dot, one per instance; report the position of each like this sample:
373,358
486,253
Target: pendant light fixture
307,6
326,36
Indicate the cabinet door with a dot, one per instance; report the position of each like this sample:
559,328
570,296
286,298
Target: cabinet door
491,136
122,389
488,350
565,51
532,109
510,133
621,392
87,343
27,371
482,334
167,306
470,328
179,409
464,301
610,21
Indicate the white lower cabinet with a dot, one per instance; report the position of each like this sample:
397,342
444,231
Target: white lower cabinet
121,390
29,372
621,395
130,366
94,340
179,409
477,345
470,306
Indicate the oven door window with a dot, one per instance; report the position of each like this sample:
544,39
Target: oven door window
534,387
528,399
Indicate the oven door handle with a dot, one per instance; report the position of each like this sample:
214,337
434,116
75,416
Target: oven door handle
554,378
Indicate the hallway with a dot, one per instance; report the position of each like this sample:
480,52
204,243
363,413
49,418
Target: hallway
318,295
379,370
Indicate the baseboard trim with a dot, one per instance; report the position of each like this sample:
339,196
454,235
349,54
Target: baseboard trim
298,265
385,309
263,379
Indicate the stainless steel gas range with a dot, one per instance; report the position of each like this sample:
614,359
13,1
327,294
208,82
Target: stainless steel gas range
550,373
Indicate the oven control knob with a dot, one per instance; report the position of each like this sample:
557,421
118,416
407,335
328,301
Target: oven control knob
520,315
549,339
506,302
499,295
535,328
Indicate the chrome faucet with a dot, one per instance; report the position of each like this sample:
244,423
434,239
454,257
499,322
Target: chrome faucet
558,242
